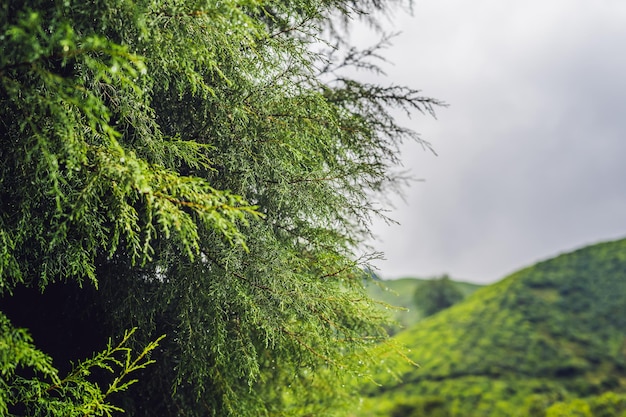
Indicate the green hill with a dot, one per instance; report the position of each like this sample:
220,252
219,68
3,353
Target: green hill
549,334
399,295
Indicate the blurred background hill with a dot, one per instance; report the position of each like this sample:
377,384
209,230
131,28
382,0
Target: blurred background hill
548,340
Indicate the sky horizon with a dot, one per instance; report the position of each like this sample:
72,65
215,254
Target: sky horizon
530,150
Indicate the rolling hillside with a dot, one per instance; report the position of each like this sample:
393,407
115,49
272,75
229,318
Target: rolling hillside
530,345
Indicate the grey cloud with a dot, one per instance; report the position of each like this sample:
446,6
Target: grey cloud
532,147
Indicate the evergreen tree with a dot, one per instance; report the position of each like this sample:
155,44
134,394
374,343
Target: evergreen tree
437,294
201,170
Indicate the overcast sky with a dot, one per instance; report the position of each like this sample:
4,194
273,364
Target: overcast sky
532,149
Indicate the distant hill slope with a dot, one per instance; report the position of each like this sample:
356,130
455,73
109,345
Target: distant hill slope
551,332
400,293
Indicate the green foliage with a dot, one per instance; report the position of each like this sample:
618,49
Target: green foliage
397,296
609,404
437,294
425,406
575,408
204,170
85,168
548,334
30,385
